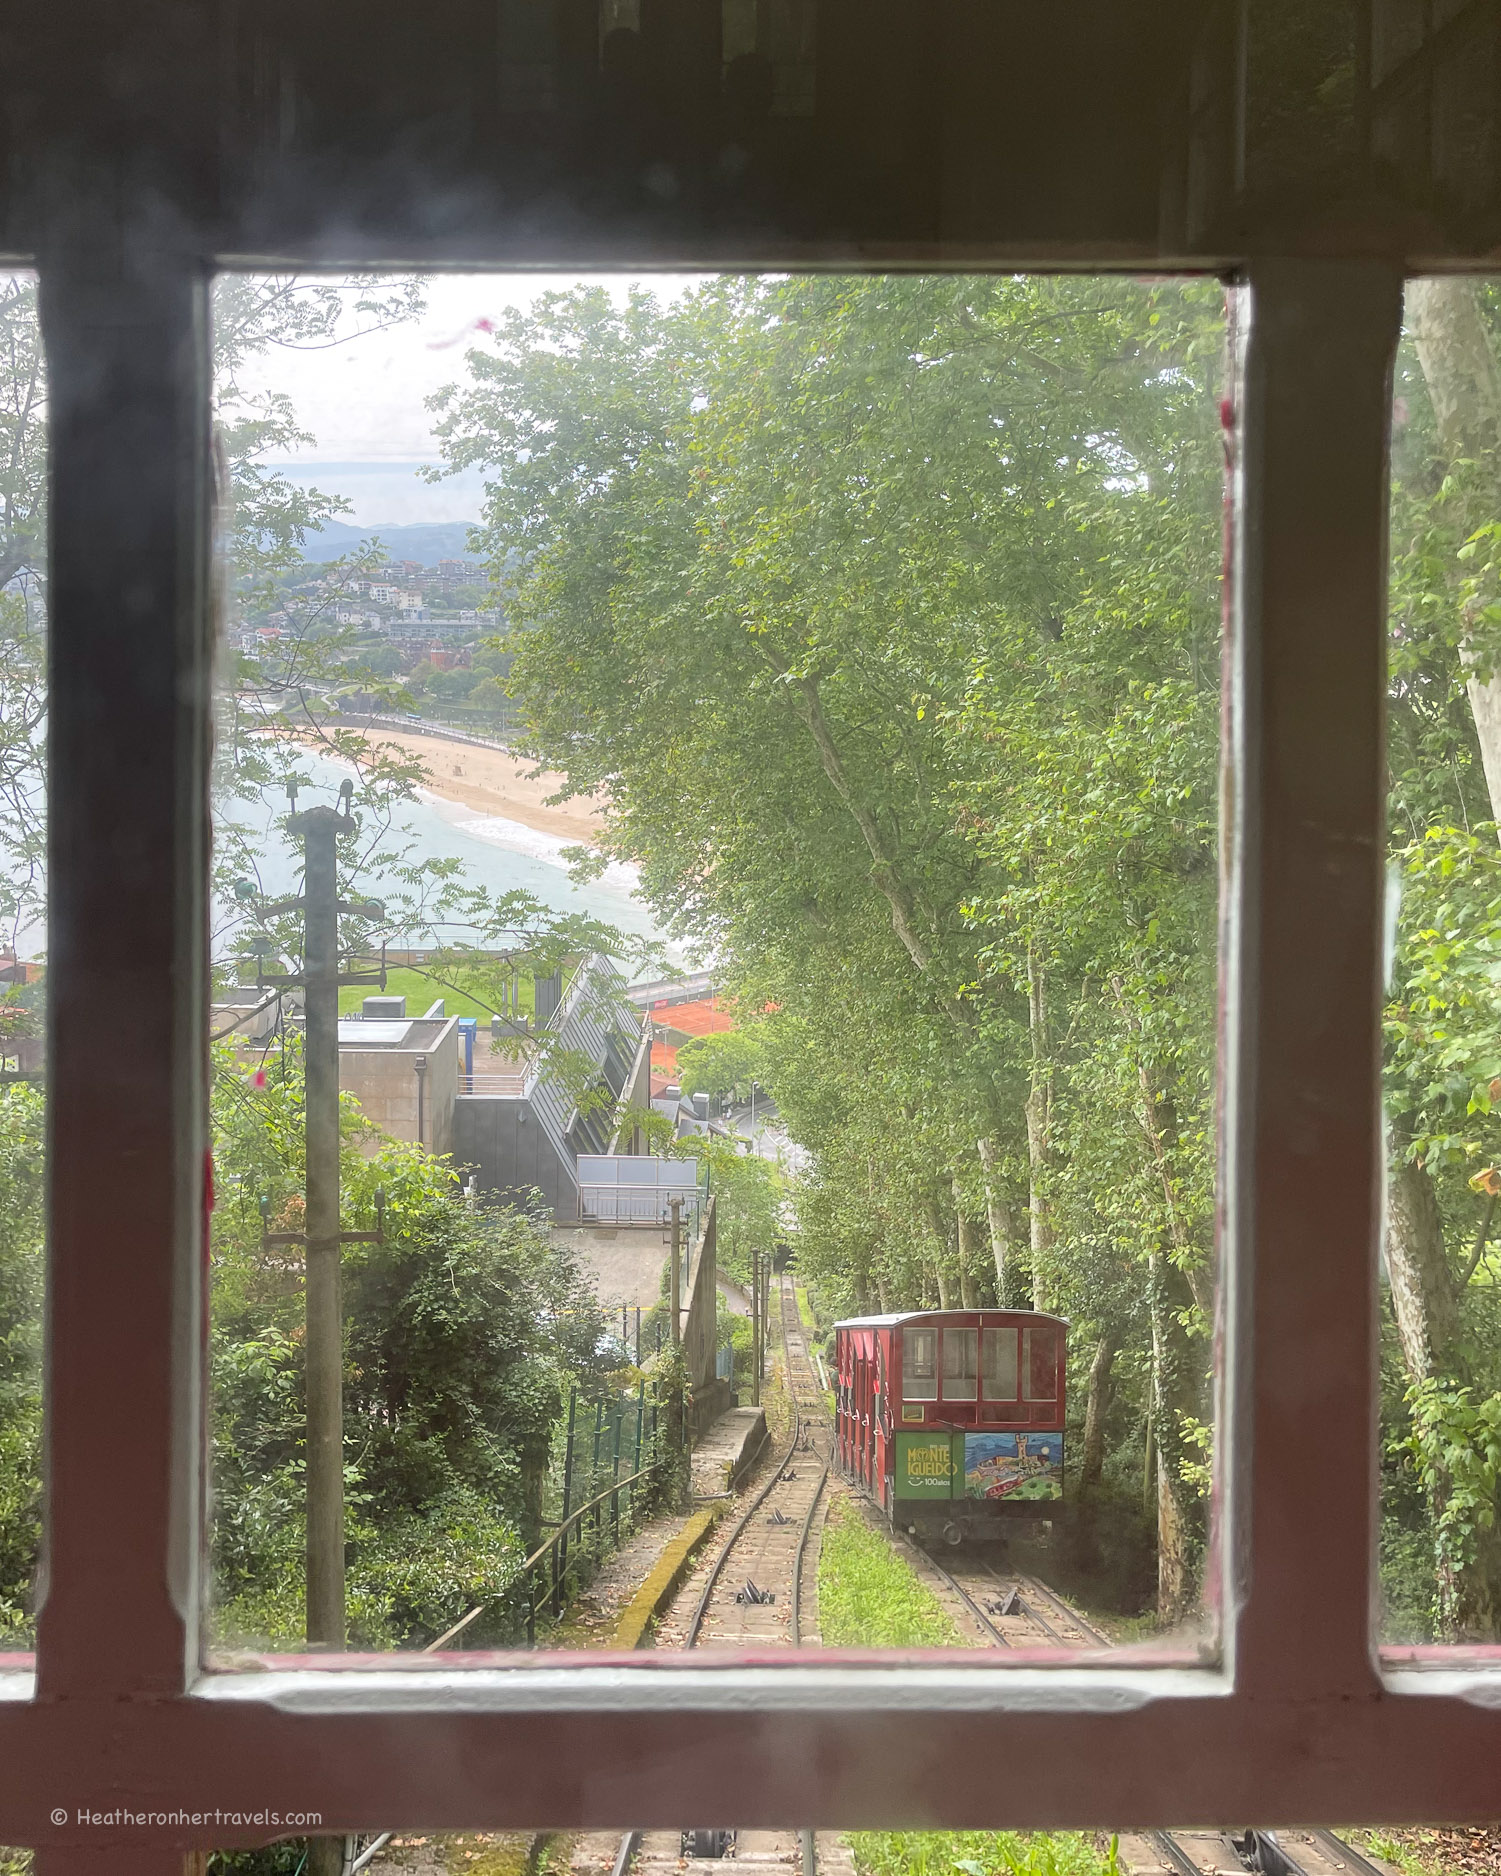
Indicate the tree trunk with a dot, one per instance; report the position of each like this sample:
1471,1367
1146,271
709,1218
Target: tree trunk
1096,1406
1092,1459
968,1295
1039,1131
939,1249
1175,1394
998,1216
1174,1579
1464,385
1423,1294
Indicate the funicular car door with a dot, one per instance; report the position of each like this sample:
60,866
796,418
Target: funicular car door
867,1406
841,1394
882,1417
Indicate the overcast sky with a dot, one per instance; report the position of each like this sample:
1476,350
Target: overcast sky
363,401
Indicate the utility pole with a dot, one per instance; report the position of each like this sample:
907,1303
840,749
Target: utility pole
765,1304
677,1271
319,830
755,1328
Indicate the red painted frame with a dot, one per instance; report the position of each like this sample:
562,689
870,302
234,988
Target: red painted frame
1296,1721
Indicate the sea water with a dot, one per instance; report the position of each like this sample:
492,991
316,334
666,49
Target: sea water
498,854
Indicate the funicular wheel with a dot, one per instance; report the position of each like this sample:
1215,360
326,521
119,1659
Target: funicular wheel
708,1843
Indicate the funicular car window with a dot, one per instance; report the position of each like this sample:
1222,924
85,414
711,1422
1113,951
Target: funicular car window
1439,1282
492,999
1040,1364
24,948
999,1377
960,1361
920,1364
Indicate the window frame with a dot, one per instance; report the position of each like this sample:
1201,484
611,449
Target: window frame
1295,1719
959,1329
1013,1399
907,1377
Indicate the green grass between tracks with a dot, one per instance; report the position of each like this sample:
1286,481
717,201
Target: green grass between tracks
869,1596
979,1853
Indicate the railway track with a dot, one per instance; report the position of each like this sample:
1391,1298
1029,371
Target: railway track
755,1590
1013,1609
1010,1609
1314,1852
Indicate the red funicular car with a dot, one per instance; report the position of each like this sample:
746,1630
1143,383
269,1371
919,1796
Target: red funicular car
952,1419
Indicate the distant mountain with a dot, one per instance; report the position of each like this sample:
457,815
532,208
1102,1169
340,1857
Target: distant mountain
427,542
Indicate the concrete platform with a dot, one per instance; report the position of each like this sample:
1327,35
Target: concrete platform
728,1450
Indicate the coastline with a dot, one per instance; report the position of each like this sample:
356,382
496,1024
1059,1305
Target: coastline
494,783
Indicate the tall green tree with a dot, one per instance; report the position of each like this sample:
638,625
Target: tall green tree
1442,1397
831,586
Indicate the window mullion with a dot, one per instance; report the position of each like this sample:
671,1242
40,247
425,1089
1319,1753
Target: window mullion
1304,820
127,351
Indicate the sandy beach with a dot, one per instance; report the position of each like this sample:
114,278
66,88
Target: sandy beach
491,781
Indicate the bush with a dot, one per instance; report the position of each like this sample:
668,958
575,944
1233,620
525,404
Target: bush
463,1330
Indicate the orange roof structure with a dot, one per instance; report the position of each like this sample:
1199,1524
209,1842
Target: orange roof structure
704,1018
686,1021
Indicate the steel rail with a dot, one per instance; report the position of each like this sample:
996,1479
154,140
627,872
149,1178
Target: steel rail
1032,1614
631,1841
1067,1611
736,1530
960,1591
802,1538
1338,1847
1181,1861
807,1841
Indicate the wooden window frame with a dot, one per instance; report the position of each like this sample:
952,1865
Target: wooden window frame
1294,1720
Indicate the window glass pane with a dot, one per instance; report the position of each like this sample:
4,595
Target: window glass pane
1000,1364
23,946
1440,1277
754,742
1040,1364
920,1364
960,1361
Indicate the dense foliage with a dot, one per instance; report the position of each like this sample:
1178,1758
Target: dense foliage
885,614
1441,1366
22,1117
465,1324
464,1328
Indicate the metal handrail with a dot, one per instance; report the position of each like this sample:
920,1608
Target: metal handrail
497,1084
541,1551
